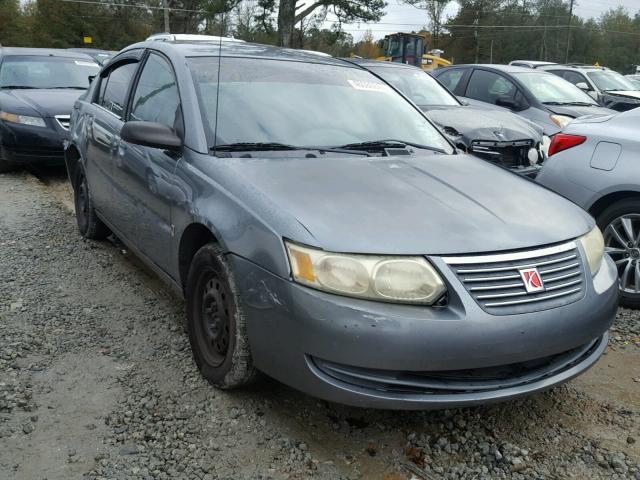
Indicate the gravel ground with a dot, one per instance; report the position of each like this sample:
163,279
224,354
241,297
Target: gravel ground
97,382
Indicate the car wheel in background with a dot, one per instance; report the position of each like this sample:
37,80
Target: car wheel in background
6,166
215,321
620,225
89,224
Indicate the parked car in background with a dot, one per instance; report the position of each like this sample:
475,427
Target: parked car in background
496,135
544,98
635,79
530,63
595,163
324,232
38,87
100,56
607,87
188,37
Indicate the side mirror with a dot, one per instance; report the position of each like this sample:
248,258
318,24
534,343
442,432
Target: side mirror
507,103
151,134
583,86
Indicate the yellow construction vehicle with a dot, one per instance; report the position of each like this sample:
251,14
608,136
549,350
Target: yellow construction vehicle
409,48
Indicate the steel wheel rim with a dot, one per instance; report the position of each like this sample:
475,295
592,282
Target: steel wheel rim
622,243
214,321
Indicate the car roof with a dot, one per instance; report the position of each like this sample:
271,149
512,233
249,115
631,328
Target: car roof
495,66
52,52
235,49
367,62
535,63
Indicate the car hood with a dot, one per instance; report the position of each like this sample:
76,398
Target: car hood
41,102
579,111
434,204
474,123
625,93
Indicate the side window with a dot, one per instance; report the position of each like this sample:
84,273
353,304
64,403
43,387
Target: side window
114,88
156,98
451,78
489,87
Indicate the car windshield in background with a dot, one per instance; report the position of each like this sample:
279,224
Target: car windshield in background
421,88
549,88
304,104
610,81
46,72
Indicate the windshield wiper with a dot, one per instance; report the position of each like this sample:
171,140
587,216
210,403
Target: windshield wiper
15,87
390,143
266,146
71,88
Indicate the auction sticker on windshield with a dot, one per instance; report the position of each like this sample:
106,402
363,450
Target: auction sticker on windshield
369,86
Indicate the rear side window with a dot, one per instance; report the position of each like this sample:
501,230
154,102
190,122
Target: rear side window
156,98
114,88
451,78
489,87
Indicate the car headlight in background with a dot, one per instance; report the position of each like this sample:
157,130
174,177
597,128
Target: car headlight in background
395,279
561,120
593,245
22,119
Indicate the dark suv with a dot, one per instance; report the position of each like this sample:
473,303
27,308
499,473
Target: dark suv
325,232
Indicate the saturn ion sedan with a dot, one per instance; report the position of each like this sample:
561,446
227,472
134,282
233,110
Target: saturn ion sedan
324,232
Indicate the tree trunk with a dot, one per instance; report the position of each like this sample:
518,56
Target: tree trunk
286,22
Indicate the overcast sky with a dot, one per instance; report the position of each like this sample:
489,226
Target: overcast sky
402,17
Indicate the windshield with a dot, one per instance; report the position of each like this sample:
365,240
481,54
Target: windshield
303,104
607,80
419,86
549,88
46,72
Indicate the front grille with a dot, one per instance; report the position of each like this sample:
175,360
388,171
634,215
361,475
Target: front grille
496,284
63,121
508,154
451,382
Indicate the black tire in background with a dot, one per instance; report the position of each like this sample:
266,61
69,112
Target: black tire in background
6,166
89,225
215,321
620,225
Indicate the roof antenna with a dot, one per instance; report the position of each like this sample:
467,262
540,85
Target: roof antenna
215,133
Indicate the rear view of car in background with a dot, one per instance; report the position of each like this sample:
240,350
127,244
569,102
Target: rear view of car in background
496,135
596,164
539,96
607,87
37,90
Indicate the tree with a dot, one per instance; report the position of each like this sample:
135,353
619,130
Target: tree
435,13
291,12
367,47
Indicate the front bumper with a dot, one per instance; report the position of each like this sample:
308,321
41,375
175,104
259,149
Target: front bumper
295,332
26,145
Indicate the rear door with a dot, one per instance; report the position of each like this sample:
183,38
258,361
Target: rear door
145,175
103,124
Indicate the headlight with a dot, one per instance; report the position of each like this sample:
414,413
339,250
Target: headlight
561,120
383,278
23,119
593,245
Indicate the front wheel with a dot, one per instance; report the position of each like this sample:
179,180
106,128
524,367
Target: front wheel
215,321
620,225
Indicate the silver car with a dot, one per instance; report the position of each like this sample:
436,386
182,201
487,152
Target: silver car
596,163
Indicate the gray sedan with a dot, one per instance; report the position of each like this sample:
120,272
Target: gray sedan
596,163
324,231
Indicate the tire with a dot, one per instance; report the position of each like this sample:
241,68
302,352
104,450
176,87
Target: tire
89,225
215,321
6,166
623,248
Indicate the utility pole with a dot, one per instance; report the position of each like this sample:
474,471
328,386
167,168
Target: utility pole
166,16
491,54
566,57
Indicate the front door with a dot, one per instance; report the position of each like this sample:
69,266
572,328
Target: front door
145,175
